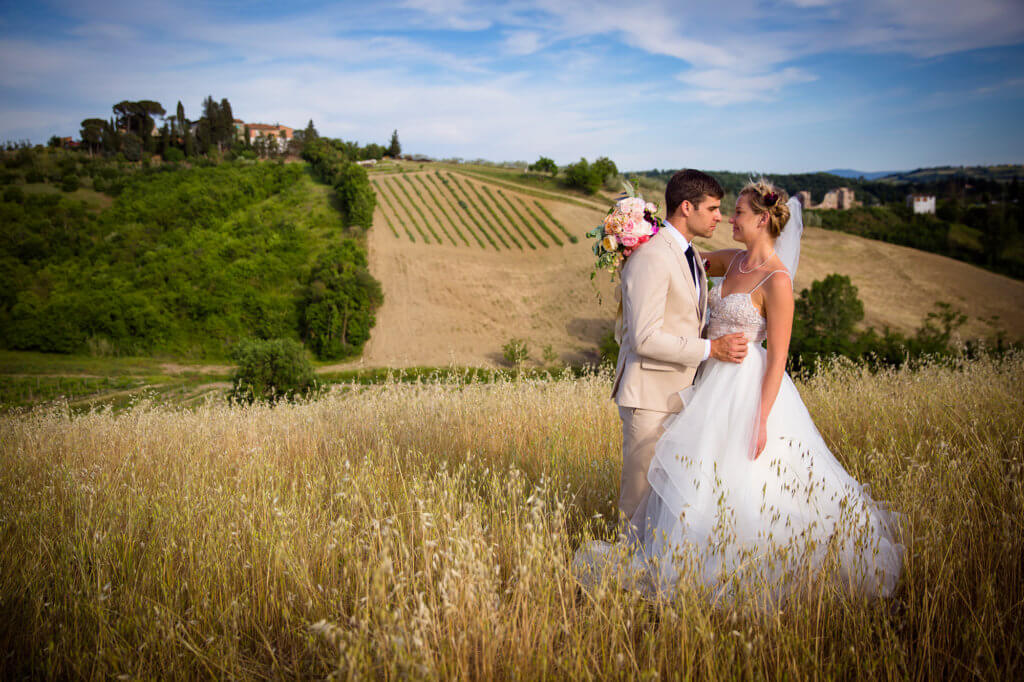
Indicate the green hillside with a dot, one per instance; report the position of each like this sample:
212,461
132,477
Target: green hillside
184,262
1001,173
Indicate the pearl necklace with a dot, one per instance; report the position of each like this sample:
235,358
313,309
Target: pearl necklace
759,265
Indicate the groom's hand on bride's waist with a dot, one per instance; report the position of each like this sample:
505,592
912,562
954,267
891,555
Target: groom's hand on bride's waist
729,348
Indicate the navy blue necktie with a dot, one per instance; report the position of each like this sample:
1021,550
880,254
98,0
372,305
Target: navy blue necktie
692,260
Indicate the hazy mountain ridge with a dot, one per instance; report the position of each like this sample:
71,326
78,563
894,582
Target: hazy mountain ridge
856,174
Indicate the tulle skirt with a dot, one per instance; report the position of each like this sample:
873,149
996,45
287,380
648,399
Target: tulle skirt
770,526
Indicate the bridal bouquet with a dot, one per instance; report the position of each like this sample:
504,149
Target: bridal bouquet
630,223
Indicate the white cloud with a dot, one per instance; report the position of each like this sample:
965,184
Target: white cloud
452,14
723,87
520,43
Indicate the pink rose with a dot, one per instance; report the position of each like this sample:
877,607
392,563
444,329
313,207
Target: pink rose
630,240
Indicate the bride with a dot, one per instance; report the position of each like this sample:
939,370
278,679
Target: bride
745,494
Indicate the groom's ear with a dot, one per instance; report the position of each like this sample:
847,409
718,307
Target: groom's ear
686,208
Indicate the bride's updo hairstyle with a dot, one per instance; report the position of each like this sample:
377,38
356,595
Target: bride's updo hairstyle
764,197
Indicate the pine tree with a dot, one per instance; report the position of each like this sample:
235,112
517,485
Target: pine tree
310,132
395,148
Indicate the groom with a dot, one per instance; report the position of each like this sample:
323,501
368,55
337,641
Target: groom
664,305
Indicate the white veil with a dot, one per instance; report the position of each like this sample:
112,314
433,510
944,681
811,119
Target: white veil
787,246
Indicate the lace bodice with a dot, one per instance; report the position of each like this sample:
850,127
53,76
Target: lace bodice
734,313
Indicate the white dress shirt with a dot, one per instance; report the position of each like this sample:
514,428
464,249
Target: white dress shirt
685,244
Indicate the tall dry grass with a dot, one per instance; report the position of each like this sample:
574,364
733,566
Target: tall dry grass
427,531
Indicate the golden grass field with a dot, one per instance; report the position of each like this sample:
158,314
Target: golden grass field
449,301
426,531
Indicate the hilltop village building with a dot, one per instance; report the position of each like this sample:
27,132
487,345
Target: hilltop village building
838,199
922,203
276,134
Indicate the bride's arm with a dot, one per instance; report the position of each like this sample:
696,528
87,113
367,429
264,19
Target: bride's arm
778,308
718,261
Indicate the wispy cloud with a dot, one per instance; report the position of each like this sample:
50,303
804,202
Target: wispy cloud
723,87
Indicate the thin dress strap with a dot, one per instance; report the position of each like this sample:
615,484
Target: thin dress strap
734,257
766,279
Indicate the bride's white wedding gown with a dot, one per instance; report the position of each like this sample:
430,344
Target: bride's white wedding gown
728,521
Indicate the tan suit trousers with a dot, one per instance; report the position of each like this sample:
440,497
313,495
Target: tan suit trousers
641,430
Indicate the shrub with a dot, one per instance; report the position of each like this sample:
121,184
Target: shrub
516,352
14,194
174,155
271,369
70,183
608,348
550,354
34,175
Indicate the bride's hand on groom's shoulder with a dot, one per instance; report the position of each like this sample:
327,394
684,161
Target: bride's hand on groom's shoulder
729,348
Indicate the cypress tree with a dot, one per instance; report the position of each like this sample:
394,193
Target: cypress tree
181,122
228,123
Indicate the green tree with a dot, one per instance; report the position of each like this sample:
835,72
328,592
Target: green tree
111,138
164,141
339,302
824,321
226,128
189,141
395,148
580,176
180,122
310,132
544,165
132,147
356,196
92,134
270,370
604,169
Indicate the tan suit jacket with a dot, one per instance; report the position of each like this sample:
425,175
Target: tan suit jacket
662,318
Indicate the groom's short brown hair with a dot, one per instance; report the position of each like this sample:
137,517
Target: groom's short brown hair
690,185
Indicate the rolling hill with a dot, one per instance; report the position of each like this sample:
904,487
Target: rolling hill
452,249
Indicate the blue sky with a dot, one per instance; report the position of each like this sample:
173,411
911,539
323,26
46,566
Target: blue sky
744,85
